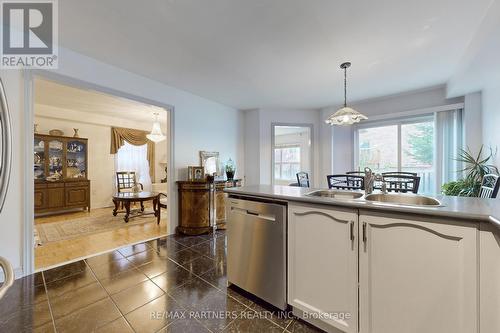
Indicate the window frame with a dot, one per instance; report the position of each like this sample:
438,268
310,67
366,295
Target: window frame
281,147
399,122
311,147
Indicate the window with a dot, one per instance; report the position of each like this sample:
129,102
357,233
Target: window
291,153
134,158
404,146
286,162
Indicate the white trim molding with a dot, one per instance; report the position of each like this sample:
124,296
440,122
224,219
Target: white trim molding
28,253
416,112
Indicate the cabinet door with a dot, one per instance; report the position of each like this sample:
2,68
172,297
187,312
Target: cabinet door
56,155
417,276
39,158
76,159
490,277
220,206
40,199
322,264
55,197
76,196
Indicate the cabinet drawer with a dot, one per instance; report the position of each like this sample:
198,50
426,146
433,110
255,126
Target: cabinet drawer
55,185
77,184
40,186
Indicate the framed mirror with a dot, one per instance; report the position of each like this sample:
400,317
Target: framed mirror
210,162
5,146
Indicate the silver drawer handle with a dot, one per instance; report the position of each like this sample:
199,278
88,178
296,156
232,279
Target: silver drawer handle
6,149
9,276
247,212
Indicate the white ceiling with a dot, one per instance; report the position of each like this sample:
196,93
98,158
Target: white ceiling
66,97
277,53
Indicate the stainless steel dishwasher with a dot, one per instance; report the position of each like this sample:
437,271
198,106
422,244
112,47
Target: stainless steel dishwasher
256,248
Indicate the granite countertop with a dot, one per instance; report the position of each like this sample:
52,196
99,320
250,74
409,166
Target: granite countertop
476,209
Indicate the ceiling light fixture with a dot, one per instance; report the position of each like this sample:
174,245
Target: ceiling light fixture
345,115
156,135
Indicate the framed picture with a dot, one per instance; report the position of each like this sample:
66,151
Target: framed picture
196,173
210,162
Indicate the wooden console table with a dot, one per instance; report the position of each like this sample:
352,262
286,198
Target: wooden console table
202,205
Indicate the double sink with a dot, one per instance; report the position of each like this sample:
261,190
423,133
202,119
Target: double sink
388,198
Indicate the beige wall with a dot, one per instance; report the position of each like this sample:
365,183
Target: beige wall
98,130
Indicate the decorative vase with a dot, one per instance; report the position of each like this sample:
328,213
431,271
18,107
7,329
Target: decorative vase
230,169
56,132
136,188
76,133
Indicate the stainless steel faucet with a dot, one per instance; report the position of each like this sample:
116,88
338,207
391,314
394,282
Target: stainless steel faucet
370,179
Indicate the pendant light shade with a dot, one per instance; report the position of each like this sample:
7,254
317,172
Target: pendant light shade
345,115
156,135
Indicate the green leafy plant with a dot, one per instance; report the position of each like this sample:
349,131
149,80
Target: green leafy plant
475,167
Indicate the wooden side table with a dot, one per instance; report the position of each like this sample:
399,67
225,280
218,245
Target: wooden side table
202,206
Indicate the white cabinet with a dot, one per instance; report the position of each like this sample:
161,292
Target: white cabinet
323,263
418,275
490,278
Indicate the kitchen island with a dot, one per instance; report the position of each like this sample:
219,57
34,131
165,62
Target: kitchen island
355,265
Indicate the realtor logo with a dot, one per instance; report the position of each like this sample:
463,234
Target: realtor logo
29,34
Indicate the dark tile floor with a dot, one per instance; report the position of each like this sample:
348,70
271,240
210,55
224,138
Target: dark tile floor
172,284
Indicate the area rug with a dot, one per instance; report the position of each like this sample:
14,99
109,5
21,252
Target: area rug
78,227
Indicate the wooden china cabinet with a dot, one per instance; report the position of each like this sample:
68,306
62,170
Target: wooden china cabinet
60,173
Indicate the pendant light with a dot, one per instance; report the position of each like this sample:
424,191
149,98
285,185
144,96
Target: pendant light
156,135
345,115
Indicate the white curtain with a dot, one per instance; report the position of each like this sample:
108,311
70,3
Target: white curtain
449,141
134,158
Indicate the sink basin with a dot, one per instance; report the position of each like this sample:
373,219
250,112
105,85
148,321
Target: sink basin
403,199
335,194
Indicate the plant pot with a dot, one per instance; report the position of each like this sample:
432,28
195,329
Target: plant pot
230,175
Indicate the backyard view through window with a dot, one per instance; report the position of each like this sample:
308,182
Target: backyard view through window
286,162
404,146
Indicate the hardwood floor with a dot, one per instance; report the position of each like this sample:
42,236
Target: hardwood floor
56,253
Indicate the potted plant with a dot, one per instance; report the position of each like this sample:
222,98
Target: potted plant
230,169
475,168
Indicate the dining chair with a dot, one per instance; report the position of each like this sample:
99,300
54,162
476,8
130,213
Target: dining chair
126,181
489,186
161,189
346,182
402,183
303,179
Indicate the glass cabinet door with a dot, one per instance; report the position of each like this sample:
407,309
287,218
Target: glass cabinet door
76,165
55,160
39,158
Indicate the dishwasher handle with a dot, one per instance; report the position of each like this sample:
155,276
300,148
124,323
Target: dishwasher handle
250,213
